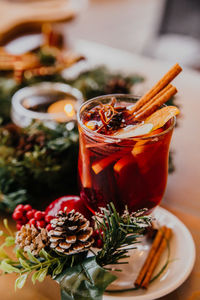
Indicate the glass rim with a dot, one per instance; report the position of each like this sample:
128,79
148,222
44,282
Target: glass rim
115,138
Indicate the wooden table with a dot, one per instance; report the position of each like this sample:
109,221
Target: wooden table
183,190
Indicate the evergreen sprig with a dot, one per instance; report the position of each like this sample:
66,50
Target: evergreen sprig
118,233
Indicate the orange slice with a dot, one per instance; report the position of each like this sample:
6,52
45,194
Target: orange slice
98,166
120,164
162,116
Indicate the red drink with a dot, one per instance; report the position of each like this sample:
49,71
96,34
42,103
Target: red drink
126,171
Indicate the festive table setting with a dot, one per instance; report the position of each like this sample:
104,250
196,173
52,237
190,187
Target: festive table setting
84,242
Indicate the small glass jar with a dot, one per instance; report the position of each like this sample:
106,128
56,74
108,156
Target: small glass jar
39,101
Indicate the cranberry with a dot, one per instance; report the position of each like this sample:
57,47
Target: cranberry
99,243
48,228
18,226
32,222
71,202
38,215
48,218
19,207
17,215
23,220
40,224
30,214
27,207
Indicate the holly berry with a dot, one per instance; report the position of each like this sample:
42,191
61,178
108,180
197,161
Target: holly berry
17,215
19,207
30,214
38,215
48,218
97,240
71,202
32,222
18,226
48,227
40,224
27,207
99,243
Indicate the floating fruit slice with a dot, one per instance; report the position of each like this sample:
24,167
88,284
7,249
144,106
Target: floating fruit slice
144,151
133,131
162,116
138,148
124,161
98,166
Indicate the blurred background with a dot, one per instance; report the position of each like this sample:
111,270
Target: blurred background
164,29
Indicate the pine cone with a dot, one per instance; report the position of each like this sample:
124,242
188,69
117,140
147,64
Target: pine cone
117,86
27,142
31,239
71,233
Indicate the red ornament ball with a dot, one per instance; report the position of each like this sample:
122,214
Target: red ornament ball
71,202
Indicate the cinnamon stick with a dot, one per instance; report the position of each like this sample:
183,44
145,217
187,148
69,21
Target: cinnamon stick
163,82
154,247
156,104
154,262
145,106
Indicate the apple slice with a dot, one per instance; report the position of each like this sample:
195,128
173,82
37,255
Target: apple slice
133,131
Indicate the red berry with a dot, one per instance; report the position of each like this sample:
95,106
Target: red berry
19,207
99,243
23,220
27,207
17,215
43,215
38,215
40,224
48,227
32,222
18,226
30,214
48,218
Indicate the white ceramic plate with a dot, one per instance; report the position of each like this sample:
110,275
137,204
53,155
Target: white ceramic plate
182,258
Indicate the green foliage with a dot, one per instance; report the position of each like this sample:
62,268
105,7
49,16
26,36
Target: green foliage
94,82
27,174
7,88
119,232
79,276
84,281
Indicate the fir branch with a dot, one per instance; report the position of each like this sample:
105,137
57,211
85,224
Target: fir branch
119,233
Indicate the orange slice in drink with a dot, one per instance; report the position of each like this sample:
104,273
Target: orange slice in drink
124,161
162,116
98,166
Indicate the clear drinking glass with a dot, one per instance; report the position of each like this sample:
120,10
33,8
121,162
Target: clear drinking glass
125,171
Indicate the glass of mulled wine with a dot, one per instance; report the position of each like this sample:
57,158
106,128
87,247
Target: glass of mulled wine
121,169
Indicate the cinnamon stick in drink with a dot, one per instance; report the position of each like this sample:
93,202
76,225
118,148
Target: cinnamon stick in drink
163,82
162,92
156,104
